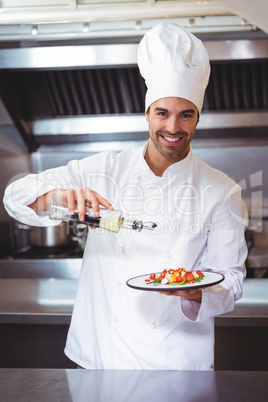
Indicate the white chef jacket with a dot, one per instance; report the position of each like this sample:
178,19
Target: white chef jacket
201,221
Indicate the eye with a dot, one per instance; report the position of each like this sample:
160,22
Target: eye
186,115
161,113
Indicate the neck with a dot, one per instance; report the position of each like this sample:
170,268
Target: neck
157,168
158,163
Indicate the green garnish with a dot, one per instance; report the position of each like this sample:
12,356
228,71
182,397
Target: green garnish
157,281
198,279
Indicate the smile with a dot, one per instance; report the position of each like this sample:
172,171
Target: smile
172,139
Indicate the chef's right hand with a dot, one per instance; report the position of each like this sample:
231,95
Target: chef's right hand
81,197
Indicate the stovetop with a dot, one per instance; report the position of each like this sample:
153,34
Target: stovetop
42,252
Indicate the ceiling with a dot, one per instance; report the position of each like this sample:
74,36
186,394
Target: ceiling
255,13
76,19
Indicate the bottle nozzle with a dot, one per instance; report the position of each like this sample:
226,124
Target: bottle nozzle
138,225
149,225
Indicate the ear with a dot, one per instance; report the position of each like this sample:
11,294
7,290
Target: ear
147,114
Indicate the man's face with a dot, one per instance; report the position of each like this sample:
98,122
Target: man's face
172,122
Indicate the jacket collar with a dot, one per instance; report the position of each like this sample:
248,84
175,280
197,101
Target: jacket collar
175,168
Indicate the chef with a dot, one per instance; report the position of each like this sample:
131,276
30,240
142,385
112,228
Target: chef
200,218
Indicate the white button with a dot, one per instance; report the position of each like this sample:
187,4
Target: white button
168,255
122,250
115,319
184,182
118,284
153,325
50,176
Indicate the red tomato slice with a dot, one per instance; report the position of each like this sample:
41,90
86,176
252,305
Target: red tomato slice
190,277
179,279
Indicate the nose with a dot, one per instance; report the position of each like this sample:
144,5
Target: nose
173,125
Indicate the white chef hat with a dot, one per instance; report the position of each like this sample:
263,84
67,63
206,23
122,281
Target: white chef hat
174,63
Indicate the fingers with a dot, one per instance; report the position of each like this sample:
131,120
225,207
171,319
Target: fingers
103,202
95,205
79,198
167,293
191,294
69,196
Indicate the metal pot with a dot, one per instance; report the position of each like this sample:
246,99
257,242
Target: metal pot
49,236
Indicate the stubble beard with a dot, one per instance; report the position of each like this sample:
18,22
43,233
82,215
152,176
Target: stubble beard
174,152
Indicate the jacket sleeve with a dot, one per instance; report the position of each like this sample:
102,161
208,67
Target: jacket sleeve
225,253
22,192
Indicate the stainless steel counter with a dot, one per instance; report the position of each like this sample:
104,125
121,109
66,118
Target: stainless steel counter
36,301
50,301
43,308
132,386
251,309
64,268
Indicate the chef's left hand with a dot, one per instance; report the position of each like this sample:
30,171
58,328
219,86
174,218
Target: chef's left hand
191,294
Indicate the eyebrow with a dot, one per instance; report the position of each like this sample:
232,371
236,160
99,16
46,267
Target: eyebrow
160,109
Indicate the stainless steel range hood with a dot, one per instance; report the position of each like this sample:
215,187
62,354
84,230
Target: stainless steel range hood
72,94
68,70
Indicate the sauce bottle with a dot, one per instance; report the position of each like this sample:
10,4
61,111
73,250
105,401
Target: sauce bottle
111,220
